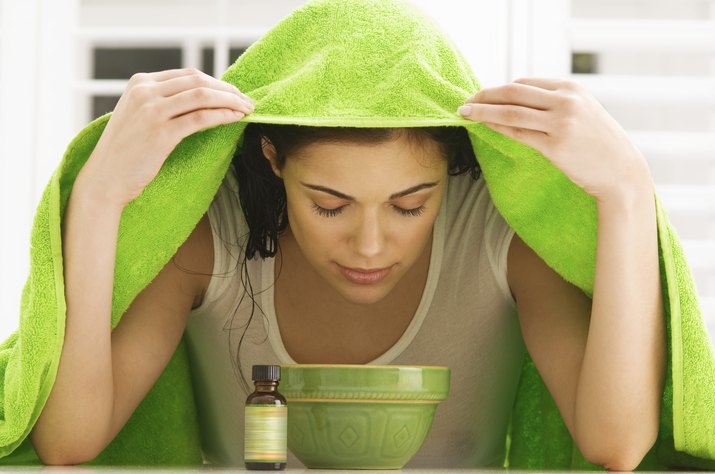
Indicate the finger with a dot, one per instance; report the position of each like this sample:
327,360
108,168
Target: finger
182,83
518,94
159,76
510,115
203,98
192,122
548,83
533,138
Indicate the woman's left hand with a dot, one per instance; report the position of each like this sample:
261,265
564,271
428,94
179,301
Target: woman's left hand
564,122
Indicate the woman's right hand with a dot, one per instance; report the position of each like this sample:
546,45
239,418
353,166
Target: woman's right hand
156,111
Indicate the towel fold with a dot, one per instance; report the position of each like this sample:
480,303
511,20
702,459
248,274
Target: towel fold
353,63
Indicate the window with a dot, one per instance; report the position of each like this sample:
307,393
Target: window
122,62
652,65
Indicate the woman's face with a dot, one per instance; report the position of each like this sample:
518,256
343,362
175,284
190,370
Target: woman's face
362,214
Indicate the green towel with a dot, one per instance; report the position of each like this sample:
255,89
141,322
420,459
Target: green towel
356,63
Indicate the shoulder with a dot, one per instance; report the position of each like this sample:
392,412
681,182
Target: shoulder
542,294
467,203
476,232
522,263
195,259
464,189
525,269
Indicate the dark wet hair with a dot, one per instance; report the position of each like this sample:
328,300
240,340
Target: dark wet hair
262,194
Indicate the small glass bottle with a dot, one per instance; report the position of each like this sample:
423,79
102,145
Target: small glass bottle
266,422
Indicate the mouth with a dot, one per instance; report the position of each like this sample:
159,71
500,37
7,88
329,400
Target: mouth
362,276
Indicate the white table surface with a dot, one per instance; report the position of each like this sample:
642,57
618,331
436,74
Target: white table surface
206,470
136,469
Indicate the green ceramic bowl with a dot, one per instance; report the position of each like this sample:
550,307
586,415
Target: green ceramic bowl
360,416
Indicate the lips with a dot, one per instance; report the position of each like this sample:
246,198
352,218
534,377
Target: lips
365,276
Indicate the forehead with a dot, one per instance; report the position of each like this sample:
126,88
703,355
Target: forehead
401,152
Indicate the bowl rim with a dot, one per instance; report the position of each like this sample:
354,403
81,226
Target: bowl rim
436,386
365,366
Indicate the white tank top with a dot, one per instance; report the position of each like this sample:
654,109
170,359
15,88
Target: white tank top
466,320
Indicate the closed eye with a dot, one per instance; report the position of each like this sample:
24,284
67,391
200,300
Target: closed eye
417,211
325,212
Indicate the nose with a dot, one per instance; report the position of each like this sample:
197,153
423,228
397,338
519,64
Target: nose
369,235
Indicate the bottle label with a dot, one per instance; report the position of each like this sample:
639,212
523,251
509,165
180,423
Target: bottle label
266,437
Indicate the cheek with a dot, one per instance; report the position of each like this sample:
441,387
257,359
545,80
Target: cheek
312,233
415,236
415,233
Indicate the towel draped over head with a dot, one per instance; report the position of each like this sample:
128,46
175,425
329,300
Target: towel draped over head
351,63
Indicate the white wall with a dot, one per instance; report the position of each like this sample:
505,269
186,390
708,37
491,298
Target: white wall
36,64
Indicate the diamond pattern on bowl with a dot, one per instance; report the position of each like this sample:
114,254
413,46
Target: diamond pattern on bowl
348,437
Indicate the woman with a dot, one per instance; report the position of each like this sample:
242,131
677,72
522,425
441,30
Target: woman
374,250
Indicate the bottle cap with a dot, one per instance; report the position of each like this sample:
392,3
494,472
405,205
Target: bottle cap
266,373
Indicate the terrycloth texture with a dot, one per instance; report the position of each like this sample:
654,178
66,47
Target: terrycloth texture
164,429
358,63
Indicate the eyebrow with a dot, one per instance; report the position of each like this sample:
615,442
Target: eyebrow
397,195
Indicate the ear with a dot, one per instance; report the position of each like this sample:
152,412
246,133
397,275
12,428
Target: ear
269,151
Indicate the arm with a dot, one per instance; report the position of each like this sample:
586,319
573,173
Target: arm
603,364
623,373
98,383
603,361
79,408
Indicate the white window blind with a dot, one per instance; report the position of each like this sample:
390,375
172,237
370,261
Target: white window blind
651,63
656,74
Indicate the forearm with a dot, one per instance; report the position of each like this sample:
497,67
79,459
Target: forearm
79,408
620,386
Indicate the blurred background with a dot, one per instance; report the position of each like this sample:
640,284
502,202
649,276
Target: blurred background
651,63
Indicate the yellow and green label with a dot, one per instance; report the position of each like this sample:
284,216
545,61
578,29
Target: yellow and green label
266,437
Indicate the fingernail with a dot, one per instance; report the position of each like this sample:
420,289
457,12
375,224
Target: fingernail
465,110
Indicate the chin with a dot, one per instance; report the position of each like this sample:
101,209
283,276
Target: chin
363,294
